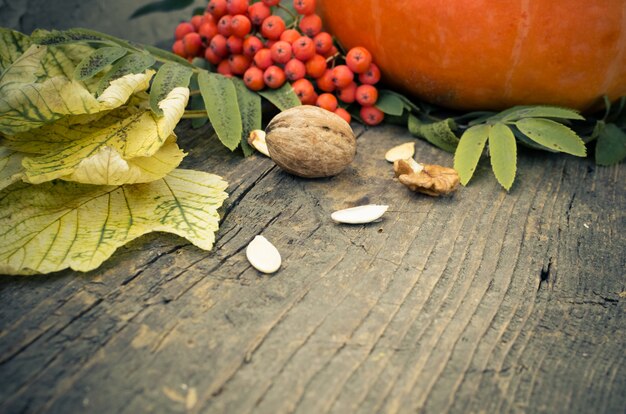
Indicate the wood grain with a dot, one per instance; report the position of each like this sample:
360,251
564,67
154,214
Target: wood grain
480,302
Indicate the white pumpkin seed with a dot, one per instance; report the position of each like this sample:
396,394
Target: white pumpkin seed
257,140
360,214
262,255
401,152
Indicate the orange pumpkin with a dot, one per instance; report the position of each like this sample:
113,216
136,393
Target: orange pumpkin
486,54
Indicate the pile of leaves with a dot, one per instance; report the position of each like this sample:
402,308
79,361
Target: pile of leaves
88,158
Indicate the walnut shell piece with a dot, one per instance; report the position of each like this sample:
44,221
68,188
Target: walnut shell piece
310,142
433,180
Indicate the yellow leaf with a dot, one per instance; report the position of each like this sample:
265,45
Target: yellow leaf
49,227
10,167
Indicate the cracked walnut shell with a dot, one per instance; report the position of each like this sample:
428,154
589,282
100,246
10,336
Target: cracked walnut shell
433,180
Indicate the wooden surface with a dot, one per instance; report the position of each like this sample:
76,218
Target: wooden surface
480,302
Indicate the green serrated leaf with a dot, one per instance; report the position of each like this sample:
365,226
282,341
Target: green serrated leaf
282,98
521,112
437,133
97,61
132,63
552,135
161,6
169,76
390,103
220,100
58,37
503,153
57,225
12,45
469,150
251,114
611,145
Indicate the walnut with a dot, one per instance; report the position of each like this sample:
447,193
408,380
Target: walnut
433,180
310,142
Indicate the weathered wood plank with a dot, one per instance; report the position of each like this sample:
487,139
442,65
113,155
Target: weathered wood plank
483,301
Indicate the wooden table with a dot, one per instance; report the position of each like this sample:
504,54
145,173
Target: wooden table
480,302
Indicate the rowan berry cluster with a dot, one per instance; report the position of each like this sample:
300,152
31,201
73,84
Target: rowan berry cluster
248,39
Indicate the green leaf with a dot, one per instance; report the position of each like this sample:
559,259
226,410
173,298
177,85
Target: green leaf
168,77
390,103
521,112
469,150
553,135
128,145
503,153
161,6
98,61
132,63
58,225
437,133
58,37
282,98
220,100
166,55
11,169
406,102
251,114
611,145
12,45
197,103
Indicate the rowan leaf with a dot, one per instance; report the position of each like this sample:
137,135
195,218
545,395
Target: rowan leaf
469,150
251,114
503,154
12,45
611,145
220,100
97,61
168,77
552,135
282,98
129,64
390,103
536,111
437,133
57,225
11,169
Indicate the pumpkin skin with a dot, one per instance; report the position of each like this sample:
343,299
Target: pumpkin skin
485,54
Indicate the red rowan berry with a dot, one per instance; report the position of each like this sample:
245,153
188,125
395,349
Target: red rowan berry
193,44
358,59
224,68
217,8
342,76
223,25
295,69
253,78
234,45
371,76
366,95
316,66
263,58
257,12
237,6
281,52
273,27
219,45
310,25
179,48
332,52
197,21
208,18
323,42
325,82
303,48
252,44
271,2
270,43
182,29
274,77
211,56
304,7
208,30
290,35
327,101
240,25
347,94
239,64
305,91
344,114
371,115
